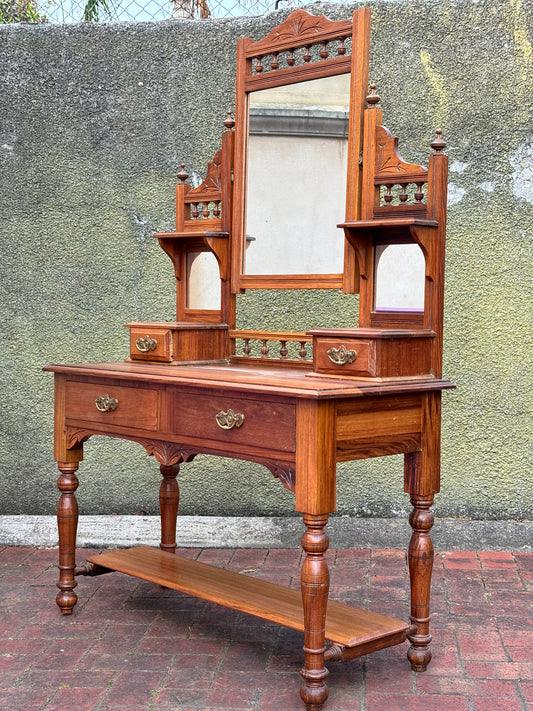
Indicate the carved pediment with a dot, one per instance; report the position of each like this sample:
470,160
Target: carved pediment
297,28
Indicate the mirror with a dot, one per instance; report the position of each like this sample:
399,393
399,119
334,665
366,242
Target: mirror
399,278
296,165
203,281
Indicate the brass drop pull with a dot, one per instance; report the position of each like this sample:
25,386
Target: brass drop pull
146,344
341,355
105,403
228,420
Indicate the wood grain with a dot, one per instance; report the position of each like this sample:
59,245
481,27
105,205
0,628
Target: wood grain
346,625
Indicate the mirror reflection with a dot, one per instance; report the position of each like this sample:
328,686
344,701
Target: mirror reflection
203,281
399,280
296,177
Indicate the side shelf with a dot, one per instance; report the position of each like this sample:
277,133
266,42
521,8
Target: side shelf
346,626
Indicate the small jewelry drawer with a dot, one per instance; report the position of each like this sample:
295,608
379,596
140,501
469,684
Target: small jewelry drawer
352,356
151,343
111,405
269,425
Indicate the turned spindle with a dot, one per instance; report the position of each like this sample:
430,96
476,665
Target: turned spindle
67,524
420,569
169,499
315,589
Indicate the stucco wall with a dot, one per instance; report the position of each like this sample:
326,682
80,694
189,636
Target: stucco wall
94,122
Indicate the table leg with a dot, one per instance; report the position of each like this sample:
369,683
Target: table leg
67,524
420,570
315,590
169,498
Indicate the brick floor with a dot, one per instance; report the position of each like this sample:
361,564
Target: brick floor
136,646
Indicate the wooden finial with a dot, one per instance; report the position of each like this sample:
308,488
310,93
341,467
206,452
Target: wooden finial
229,123
372,98
438,144
183,175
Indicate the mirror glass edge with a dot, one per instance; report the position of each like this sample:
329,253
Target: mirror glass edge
332,280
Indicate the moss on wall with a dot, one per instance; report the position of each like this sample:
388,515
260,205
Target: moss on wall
94,122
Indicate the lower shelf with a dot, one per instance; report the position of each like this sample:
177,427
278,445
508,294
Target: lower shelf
345,625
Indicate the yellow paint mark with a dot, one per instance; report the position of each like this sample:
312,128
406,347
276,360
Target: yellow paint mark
523,47
438,85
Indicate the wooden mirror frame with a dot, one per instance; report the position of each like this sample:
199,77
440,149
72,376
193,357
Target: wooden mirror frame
301,30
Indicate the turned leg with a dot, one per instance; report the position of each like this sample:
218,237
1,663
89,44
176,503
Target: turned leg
315,589
169,498
420,569
67,524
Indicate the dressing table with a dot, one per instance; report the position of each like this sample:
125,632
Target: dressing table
296,403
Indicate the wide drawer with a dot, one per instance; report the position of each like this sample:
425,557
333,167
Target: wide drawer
223,418
112,405
151,344
351,356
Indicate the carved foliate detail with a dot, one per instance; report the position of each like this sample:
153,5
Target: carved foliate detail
75,436
213,180
284,473
166,453
388,160
300,25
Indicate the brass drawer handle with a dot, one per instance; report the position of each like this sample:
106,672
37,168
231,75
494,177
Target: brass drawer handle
341,355
105,403
228,420
146,344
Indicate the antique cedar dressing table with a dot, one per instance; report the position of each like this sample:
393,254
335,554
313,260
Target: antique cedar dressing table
369,391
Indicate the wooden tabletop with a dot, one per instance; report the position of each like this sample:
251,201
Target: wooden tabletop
284,381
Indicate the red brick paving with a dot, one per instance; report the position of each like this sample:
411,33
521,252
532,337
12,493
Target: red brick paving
136,646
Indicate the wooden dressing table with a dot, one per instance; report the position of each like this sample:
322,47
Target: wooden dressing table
197,384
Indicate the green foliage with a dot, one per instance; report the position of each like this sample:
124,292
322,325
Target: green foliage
19,11
91,11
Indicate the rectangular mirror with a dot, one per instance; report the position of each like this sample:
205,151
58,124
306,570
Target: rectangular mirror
299,106
296,177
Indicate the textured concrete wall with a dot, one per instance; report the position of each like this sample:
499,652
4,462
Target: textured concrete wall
94,121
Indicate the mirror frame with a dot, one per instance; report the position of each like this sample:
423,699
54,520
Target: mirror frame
301,30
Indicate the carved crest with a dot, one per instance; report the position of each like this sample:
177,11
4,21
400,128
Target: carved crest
298,28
